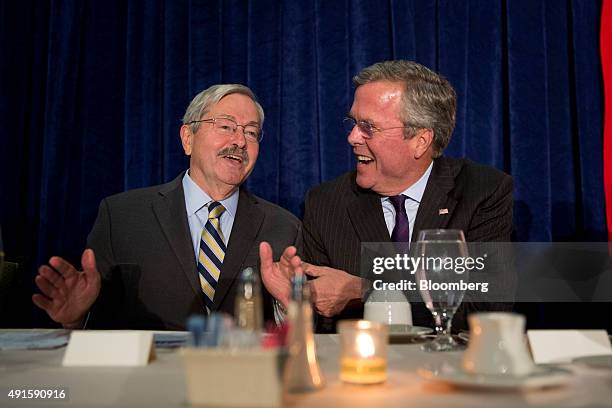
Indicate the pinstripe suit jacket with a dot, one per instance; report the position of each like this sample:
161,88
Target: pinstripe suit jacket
339,216
145,256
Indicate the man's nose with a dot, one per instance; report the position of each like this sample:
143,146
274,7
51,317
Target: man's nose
355,137
239,138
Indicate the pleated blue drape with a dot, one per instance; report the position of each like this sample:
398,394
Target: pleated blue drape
92,93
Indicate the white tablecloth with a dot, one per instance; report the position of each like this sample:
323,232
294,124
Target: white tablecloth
162,383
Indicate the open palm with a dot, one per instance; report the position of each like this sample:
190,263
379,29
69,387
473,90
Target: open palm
68,294
276,276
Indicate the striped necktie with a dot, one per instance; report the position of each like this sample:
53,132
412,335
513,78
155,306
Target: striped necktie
212,252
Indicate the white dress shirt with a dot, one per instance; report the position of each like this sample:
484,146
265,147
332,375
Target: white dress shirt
196,204
415,195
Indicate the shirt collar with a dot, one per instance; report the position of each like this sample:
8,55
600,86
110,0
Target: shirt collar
415,192
196,198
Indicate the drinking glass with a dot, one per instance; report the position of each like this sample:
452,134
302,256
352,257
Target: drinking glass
441,278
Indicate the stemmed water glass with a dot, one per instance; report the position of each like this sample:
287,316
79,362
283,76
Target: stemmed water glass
439,277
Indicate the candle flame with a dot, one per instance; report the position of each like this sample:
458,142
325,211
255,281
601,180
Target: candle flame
365,345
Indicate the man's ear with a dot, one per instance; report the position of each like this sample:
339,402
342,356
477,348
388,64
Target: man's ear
424,141
186,139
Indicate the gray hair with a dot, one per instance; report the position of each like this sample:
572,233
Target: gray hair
429,100
205,100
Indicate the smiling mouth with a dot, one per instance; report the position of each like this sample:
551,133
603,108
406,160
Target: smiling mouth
363,159
233,157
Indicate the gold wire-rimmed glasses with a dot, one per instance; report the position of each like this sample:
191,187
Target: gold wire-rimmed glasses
228,127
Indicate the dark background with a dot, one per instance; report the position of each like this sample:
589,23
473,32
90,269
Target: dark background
92,92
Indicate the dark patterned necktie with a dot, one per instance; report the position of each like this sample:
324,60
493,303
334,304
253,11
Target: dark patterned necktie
401,231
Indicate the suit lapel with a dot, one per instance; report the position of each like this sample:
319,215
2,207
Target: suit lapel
247,223
436,207
172,217
366,215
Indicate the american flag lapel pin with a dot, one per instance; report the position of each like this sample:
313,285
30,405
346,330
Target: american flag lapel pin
443,211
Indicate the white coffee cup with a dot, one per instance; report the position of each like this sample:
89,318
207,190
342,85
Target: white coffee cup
497,345
389,307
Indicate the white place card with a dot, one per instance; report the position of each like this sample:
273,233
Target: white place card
562,346
98,348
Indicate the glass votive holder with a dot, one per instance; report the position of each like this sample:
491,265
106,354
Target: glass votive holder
363,351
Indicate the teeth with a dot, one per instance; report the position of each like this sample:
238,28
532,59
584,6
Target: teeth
231,156
363,158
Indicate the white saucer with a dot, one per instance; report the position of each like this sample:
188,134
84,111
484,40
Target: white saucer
541,377
464,335
604,361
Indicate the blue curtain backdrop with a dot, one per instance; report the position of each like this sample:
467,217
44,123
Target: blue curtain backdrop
92,93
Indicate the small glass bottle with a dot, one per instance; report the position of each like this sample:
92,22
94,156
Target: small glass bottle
248,306
302,372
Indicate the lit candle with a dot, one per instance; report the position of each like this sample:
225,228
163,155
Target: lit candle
364,346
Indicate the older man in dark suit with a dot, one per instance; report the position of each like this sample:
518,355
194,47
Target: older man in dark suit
161,253
401,120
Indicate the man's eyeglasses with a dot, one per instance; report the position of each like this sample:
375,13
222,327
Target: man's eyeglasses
228,127
366,128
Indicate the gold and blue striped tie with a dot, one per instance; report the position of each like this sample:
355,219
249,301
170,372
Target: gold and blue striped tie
211,254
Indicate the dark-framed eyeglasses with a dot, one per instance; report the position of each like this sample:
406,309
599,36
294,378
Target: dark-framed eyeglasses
366,128
228,127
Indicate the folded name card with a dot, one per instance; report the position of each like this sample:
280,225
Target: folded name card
96,348
562,346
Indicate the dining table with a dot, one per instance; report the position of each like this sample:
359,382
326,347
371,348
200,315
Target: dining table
161,383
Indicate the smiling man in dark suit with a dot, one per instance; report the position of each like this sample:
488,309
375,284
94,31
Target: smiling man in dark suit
161,253
401,120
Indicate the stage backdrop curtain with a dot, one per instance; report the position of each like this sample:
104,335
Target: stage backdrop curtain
92,94
606,65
